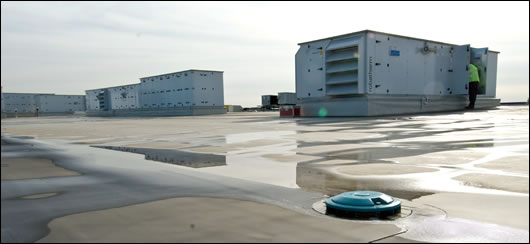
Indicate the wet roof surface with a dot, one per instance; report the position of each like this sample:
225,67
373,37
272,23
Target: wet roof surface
260,157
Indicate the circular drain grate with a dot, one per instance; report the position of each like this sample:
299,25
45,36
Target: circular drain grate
363,204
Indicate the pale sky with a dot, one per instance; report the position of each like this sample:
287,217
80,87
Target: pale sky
70,47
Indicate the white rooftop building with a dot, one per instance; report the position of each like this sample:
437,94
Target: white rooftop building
373,73
189,92
41,104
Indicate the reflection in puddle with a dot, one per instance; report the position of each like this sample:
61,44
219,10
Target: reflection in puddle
311,177
395,149
39,196
24,137
188,159
323,175
406,157
245,137
407,183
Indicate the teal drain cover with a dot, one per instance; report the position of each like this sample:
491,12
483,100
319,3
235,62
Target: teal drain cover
363,204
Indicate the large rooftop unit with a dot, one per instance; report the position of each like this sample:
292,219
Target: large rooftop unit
370,73
189,92
40,104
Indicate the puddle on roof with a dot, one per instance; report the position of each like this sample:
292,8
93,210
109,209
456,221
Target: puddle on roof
318,167
181,158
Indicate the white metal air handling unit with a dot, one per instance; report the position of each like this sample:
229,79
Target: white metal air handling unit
370,73
189,92
41,104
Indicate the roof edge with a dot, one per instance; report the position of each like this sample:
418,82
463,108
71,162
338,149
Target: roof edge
384,33
188,70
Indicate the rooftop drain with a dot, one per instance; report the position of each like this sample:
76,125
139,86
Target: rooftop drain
363,204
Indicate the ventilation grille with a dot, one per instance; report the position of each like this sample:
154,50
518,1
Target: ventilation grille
342,67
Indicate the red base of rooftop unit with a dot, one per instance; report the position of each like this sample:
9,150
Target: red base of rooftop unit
290,111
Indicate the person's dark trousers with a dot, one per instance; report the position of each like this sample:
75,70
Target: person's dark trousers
473,90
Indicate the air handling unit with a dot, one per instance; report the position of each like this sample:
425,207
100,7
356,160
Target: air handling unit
370,73
188,92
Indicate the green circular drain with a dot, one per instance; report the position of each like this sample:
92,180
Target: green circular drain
363,204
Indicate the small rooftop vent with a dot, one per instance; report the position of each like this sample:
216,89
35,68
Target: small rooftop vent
363,204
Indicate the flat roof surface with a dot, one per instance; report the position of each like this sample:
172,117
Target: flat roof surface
453,171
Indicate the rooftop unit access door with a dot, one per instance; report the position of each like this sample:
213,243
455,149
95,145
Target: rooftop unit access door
342,66
459,70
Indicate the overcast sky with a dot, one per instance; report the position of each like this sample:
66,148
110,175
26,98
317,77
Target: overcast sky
70,47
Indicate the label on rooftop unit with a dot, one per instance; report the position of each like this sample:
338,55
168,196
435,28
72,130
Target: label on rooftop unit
394,52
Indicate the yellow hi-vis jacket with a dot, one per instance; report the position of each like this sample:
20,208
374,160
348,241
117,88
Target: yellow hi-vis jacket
473,73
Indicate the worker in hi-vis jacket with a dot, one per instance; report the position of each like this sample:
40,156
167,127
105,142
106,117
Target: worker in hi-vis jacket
473,86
